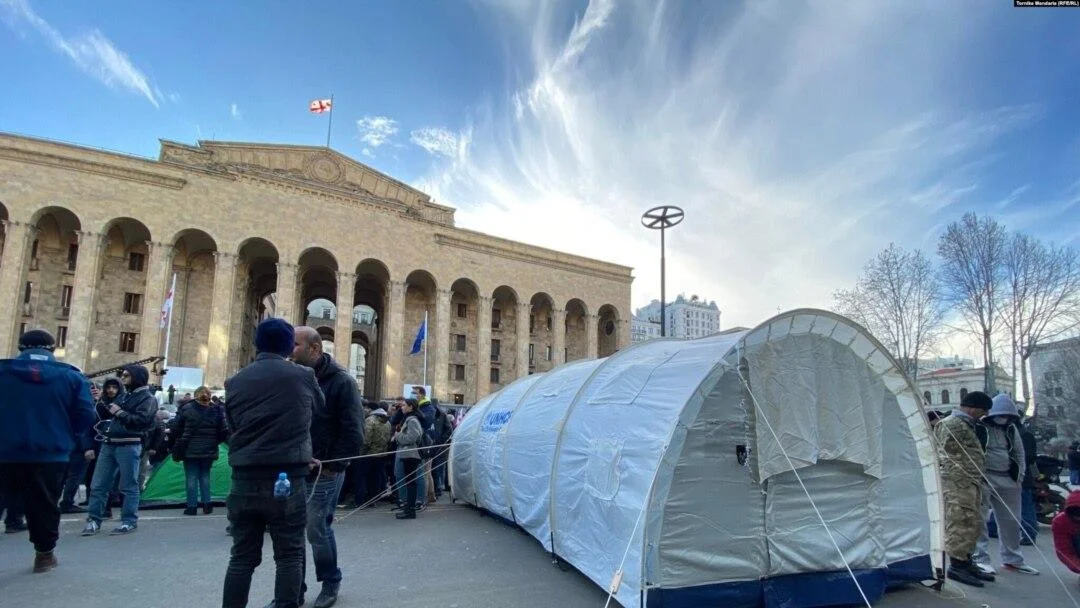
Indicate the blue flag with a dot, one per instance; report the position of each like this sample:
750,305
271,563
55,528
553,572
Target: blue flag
421,335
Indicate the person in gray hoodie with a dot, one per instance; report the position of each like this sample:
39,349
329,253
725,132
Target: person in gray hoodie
1005,464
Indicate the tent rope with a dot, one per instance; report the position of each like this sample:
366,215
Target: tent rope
987,484
813,504
616,579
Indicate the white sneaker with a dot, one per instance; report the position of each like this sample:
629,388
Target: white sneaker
92,528
986,568
1022,569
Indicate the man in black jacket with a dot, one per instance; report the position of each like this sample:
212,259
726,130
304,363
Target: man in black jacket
121,450
269,408
336,433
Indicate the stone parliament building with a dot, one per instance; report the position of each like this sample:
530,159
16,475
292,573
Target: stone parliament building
91,239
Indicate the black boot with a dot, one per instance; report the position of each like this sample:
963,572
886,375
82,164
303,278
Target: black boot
208,508
191,511
961,572
980,574
327,597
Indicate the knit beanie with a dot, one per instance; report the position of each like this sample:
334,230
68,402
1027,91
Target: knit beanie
978,400
37,338
275,336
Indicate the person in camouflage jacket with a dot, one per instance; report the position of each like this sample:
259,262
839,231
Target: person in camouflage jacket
961,456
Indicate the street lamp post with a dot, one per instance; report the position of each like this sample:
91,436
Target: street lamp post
661,218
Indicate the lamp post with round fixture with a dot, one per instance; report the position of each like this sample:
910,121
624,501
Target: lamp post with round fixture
661,218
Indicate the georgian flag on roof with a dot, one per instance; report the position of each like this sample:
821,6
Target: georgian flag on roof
321,105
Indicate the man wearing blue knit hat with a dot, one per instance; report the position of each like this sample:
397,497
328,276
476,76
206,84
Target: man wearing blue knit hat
269,409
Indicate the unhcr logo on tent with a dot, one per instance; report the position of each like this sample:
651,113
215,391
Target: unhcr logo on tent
495,421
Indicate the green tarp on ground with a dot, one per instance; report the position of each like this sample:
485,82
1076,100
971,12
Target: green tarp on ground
168,485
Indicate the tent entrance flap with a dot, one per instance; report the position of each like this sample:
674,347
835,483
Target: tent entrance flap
814,392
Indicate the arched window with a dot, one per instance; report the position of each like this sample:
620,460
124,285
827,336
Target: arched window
945,397
963,393
926,397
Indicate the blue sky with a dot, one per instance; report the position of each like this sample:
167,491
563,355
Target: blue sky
800,137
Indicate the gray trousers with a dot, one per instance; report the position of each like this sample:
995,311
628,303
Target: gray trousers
1003,496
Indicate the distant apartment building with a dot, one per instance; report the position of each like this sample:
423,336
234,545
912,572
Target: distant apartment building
1055,382
690,317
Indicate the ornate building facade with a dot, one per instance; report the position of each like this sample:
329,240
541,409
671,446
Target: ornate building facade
91,240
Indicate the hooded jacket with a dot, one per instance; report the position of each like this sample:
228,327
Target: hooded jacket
138,410
377,432
336,430
1065,532
46,408
1005,438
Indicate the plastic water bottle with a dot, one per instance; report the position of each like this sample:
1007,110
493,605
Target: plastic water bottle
282,488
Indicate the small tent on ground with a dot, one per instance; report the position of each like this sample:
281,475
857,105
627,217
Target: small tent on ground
788,465
167,486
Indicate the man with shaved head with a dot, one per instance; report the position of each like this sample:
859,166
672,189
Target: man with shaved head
336,432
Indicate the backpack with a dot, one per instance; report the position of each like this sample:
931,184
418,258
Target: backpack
426,451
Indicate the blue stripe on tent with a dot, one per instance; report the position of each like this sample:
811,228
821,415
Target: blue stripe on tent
810,590
816,589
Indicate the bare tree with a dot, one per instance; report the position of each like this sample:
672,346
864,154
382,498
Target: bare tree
972,253
1042,296
897,299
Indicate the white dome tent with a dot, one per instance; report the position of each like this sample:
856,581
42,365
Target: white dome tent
701,472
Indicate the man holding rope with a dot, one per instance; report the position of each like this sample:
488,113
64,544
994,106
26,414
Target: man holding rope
336,434
962,460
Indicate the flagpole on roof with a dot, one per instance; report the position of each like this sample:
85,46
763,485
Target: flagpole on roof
330,123
166,321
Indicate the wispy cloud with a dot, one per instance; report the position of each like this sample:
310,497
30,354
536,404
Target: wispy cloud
375,131
441,141
795,139
92,52
234,111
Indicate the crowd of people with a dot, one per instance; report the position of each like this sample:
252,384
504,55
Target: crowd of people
300,439
989,466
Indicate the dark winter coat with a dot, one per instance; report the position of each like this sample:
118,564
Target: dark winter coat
198,431
1074,460
336,430
269,408
46,408
136,418
1030,457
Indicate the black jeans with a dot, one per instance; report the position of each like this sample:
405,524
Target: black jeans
411,466
253,511
38,484
76,470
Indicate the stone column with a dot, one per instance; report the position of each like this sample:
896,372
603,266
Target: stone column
17,237
591,326
441,377
83,299
346,289
391,334
523,339
558,341
483,350
220,318
285,293
158,281
624,335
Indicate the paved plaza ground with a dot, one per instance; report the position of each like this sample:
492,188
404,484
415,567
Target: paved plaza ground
451,557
